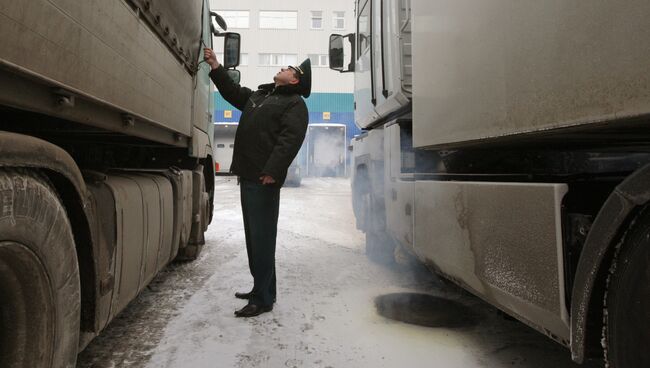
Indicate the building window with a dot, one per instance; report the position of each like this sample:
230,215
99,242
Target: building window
243,58
278,59
319,60
235,18
316,20
278,19
338,20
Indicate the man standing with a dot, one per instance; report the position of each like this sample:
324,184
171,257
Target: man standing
271,130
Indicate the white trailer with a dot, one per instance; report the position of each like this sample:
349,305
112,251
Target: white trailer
106,167
506,146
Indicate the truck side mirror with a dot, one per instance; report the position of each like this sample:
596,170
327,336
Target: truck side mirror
337,52
231,49
220,21
234,74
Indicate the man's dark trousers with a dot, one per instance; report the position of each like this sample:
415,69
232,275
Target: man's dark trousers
260,207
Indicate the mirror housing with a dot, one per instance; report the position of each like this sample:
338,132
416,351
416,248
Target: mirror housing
337,53
231,49
234,74
220,21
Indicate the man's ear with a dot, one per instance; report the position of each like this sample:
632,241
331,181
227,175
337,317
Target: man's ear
294,81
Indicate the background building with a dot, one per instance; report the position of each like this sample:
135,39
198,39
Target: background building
286,32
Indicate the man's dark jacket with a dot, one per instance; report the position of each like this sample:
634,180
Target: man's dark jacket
271,129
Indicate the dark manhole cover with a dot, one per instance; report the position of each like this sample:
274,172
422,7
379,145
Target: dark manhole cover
424,310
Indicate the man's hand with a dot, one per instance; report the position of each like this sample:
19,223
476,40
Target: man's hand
267,180
210,58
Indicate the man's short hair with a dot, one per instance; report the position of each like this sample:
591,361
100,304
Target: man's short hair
296,73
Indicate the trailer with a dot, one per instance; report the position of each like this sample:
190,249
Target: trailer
506,147
106,162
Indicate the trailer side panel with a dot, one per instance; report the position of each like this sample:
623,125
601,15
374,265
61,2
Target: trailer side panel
496,68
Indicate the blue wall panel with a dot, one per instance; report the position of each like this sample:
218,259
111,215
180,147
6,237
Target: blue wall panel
339,105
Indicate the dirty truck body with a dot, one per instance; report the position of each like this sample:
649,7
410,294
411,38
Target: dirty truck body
506,147
106,167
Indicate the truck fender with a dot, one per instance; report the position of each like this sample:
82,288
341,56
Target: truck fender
610,222
20,150
25,151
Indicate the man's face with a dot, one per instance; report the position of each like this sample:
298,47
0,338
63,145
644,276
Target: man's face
285,76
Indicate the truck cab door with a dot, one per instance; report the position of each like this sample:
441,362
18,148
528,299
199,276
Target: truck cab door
203,101
364,81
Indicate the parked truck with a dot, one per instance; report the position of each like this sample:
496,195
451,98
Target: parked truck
506,146
106,169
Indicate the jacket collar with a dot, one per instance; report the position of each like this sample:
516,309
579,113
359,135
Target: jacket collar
288,89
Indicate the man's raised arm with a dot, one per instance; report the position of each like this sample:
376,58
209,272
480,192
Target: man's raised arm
231,91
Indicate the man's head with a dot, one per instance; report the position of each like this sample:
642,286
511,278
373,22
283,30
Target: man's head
299,76
286,76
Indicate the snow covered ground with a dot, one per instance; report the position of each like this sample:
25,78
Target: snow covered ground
325,314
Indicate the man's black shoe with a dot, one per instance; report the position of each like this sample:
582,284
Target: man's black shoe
252,310
247,296
243,295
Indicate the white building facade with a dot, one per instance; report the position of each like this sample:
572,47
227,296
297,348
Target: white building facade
286,32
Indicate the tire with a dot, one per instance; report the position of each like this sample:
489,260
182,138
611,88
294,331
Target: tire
628,300
192,251
39,275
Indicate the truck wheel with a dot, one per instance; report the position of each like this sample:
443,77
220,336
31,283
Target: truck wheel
628,301
197,236
39,275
